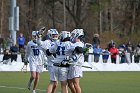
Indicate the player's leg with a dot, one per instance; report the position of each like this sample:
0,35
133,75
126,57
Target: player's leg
55,84
71,72
36,79
25,68
63,76
32,77
77,85
76,74
53,79
52,87
71,86
64,88
39,69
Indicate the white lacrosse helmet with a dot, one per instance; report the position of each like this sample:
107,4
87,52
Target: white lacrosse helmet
53,34
34,35
64,34
76,33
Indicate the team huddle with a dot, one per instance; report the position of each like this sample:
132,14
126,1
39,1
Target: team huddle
63,54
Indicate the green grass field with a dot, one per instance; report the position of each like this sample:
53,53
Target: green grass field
92,82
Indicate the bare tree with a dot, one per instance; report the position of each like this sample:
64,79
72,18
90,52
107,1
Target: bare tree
77,10
2,17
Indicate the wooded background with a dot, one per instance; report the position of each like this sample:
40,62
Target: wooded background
117,20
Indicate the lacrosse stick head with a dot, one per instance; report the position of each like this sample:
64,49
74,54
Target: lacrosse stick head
41,31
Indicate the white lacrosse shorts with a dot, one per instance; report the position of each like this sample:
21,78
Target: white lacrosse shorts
74,72
58,73
36,68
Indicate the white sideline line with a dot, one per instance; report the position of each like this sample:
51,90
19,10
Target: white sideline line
19,88
22,88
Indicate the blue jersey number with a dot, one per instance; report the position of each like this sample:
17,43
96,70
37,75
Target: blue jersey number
60,50
36,52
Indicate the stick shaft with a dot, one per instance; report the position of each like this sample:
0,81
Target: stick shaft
87,67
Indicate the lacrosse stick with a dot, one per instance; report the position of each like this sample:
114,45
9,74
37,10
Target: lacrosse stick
96,69
69,61
24,69
79,65
41,31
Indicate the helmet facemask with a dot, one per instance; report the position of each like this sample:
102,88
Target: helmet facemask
34,36
53,34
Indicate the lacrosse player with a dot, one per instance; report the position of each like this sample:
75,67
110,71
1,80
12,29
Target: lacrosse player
75,69
35,56
48,43
60,68
53,36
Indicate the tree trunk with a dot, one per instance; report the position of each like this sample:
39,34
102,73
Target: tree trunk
53,13
100,17
133,18
2,18
100,22
111,17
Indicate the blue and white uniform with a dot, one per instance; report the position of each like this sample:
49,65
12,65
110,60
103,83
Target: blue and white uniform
62,49
75,70
35,56
47,44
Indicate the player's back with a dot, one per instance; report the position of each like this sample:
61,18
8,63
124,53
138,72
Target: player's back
62,50
80,57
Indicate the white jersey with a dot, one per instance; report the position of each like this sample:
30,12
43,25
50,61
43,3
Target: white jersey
47,44
34,53
62,49
44,44
75,70
80,44
80,58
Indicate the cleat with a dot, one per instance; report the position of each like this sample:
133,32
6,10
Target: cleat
33,91
29,86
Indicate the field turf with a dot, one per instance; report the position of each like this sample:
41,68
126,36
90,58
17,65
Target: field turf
92,82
